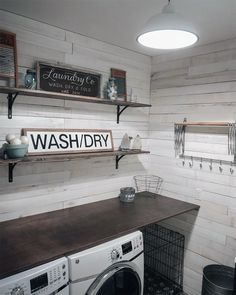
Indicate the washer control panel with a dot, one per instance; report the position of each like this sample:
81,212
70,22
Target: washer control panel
127,249
41,280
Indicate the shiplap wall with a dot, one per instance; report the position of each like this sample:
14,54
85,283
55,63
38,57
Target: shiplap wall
46,186
198,84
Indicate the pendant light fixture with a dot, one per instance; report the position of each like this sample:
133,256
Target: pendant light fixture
168,30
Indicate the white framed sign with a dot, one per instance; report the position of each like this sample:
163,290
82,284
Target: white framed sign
61,141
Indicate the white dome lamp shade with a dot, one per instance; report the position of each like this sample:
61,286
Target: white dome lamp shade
168,30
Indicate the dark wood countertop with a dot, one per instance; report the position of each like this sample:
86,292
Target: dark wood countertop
33,240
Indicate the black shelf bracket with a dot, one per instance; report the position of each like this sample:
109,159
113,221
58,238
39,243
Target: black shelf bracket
119,111
11,99
11,167
118,158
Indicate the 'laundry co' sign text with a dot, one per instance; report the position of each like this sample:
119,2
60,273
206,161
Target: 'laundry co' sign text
67,80
57,141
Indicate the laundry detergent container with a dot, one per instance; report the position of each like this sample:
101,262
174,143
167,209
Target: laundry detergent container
218,280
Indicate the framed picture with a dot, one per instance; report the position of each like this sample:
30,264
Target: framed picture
68,141
8,57
120,80
65,79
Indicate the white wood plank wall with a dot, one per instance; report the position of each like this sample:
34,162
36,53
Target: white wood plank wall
49,186
199,84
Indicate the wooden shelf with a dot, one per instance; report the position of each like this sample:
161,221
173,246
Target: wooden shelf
210,124
12,93
66,157
30,241
69,157
180,132
55,95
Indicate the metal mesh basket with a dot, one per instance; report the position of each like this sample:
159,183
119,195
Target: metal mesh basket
148,183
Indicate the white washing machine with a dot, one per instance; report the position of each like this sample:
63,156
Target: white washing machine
47,279
112,268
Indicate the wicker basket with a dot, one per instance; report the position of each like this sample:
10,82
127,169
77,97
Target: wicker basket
148,183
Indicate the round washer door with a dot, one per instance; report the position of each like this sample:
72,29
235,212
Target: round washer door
120,279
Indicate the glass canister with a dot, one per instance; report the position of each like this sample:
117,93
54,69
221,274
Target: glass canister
30,79
111,89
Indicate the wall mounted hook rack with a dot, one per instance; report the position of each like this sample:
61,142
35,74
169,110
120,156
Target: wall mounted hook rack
210,161
180,130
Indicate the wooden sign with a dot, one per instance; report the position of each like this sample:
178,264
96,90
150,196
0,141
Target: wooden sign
67,80
120,81
61,141
8,56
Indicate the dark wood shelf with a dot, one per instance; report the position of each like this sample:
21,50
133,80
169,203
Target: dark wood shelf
67,157
12,93
55,95
34,240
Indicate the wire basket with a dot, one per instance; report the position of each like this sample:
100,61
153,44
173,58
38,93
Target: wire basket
163,261
148,183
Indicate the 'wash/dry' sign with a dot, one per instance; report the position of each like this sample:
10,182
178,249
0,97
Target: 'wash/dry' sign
59,141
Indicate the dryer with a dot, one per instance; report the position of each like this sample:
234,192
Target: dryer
113,268
47,279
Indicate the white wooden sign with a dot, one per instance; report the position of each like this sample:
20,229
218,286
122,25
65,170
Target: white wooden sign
61,141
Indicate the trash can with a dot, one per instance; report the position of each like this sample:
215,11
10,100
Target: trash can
218,280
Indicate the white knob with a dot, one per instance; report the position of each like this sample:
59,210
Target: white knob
17,291
115,254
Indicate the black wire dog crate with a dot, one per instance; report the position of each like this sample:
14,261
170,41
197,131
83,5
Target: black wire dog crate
163,261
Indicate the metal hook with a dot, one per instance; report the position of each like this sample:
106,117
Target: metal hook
220,168
231,169
191,163
200,164
210,166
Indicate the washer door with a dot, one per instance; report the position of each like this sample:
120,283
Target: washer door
120,279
